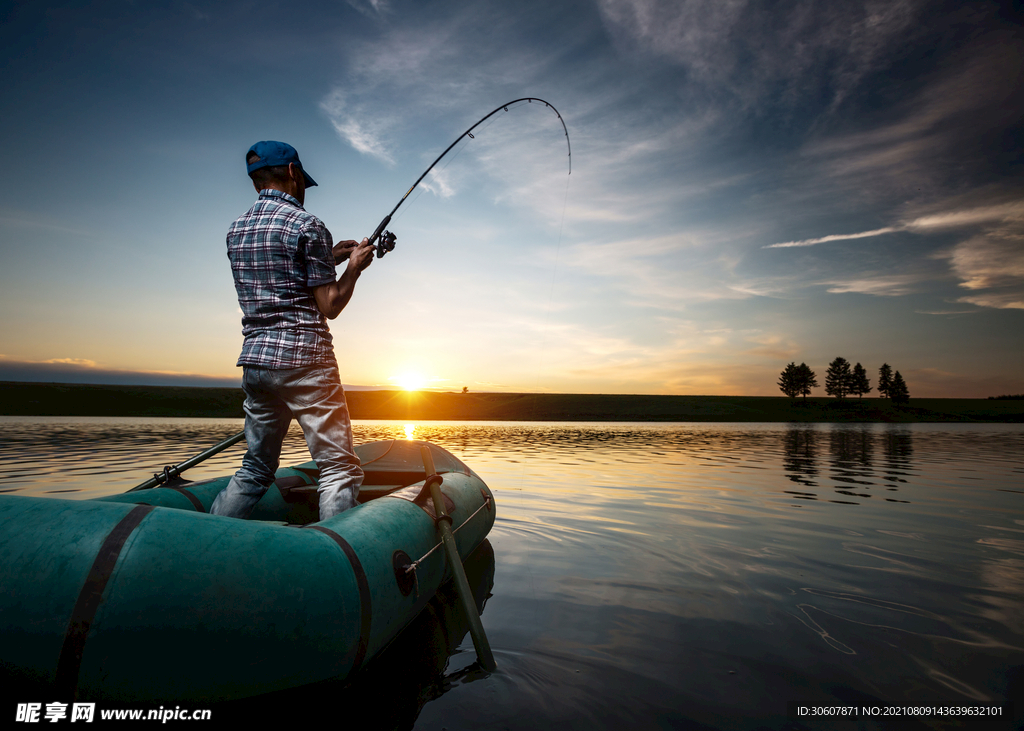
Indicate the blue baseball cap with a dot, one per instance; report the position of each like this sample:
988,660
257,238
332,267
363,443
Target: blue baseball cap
270,154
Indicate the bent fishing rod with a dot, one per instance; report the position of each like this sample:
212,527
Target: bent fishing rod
387,239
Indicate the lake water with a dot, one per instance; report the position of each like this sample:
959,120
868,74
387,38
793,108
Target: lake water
667,576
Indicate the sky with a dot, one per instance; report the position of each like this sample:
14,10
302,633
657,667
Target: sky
752,183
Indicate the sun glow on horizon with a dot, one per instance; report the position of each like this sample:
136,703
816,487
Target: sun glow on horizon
410,380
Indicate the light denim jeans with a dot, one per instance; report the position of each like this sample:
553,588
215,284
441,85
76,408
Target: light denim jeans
314,396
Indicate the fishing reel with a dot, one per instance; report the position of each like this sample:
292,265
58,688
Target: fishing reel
385,243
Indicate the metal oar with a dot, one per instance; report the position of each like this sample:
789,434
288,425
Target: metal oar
170,473
444,527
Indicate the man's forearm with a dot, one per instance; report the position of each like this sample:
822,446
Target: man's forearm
346,285
331,299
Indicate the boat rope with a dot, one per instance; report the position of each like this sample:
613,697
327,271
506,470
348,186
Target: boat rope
411,568
377,459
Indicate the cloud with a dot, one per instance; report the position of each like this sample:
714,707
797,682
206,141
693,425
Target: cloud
997,300
616,174
834,237
930,169
686,357
756,50
364,132
895,285
83,370
417,55
946,135
992,266
1002,213
446,70
665,272
441,185
773,346
84,362
990,261
371,8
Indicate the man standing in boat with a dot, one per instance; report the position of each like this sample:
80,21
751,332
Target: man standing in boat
283,261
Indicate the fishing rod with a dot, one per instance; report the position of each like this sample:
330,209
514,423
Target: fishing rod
387,239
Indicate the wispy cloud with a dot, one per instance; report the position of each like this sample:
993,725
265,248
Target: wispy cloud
1004,213
951,123
666,272
947,312
439,184
895,285
986,262
687,356
364,132
444,71
753,50
835,237
990,263
997,300
83,370
84,362
371,8
992,266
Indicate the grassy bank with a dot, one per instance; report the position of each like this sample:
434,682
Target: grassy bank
62,399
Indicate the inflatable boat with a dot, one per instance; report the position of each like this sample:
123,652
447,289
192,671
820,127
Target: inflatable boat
144,596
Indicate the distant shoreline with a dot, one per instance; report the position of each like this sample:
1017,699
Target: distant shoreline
67,399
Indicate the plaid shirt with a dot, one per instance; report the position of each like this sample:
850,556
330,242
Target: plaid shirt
278,254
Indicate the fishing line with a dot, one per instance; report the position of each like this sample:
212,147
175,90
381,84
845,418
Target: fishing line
438,173
435,177
387,239
547,307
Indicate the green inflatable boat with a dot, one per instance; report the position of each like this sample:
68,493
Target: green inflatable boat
144,596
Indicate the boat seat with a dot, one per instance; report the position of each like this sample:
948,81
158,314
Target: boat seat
295,490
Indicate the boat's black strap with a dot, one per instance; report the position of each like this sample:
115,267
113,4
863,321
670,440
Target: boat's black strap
365,610
191,498
70,662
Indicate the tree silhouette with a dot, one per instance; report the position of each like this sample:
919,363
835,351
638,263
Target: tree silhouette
898,391
807,379
885,381
860,384
789,380
797,380
837,378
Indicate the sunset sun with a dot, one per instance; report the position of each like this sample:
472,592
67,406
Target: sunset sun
410,380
